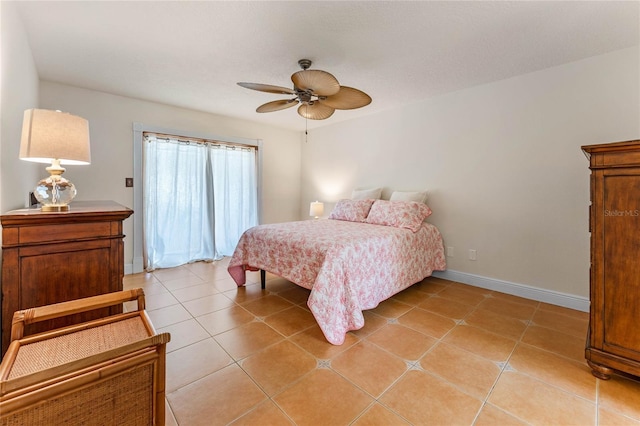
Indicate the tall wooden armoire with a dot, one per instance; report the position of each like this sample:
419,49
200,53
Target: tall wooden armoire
613,342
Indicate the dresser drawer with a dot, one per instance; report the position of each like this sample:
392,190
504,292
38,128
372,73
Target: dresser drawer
52,233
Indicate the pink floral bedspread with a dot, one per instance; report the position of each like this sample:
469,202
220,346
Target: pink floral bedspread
348,266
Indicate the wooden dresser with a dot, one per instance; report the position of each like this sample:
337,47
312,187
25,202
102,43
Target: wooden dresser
51,257
613,342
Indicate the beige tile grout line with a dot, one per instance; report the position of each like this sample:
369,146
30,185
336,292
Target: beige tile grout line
415,363
597,402
504,368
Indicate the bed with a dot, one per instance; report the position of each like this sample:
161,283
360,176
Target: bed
364,253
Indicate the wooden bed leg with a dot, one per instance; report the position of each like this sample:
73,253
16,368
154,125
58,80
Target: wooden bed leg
263,278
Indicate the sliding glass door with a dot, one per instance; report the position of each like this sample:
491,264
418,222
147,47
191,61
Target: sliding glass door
199,197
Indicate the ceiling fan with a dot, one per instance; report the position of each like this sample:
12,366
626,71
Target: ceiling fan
318,93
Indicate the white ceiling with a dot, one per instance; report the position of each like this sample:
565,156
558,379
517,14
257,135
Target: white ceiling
192,54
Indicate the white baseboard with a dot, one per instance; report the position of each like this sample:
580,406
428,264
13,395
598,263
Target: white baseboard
522,290
138,265
135,267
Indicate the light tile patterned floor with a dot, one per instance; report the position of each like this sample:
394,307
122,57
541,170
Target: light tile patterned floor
437,353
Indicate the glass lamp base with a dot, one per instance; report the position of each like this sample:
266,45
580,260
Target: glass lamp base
55,193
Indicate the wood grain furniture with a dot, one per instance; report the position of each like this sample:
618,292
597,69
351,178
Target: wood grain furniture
52,257
104,372
613,342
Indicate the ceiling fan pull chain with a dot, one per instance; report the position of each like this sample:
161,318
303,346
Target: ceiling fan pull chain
306,123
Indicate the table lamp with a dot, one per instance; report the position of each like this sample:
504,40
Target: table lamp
58,138
316,209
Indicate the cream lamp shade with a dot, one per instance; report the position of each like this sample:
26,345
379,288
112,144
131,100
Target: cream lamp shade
316,209
58,138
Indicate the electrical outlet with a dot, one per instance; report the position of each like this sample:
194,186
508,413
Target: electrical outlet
449,251
472,254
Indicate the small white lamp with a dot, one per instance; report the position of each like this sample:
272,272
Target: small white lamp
316,209
58,138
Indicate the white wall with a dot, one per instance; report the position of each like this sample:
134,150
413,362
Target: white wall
111,121
502,163
19,91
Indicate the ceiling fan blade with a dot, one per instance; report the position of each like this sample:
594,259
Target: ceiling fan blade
347,98
321,83
277,105
315,111
267,88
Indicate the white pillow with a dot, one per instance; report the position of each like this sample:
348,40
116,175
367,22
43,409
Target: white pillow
419,196
366,194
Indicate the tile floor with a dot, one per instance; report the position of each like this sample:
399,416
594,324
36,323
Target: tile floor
437,353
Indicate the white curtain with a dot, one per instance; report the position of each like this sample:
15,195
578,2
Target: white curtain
199,197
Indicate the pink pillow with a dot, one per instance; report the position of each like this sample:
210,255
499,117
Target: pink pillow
351,210
401,214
